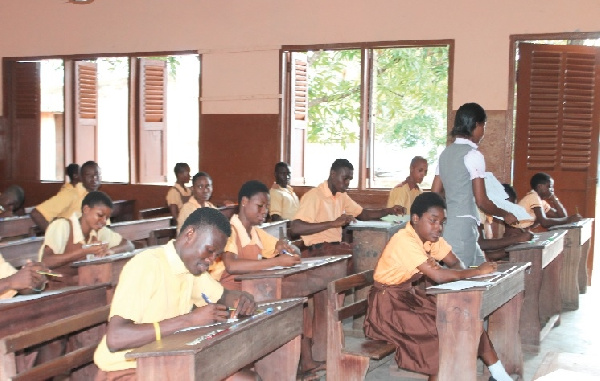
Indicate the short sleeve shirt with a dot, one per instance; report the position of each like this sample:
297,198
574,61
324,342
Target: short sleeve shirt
529,202
154,286
404,253
174,195
403,196
474,160
57,235
320,205
284,202
62,205
6,270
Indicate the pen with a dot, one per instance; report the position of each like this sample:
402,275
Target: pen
49,273
206,299
288,253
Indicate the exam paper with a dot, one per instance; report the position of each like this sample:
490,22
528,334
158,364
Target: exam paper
461,285
496,194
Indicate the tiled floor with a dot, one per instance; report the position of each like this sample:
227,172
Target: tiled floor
579,332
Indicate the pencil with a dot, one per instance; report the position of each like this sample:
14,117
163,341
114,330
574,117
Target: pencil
49,273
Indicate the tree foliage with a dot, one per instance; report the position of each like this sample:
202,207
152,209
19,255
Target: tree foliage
408,101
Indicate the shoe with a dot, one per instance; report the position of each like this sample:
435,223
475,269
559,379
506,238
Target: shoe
492,379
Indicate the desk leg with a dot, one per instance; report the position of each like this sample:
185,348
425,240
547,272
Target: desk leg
569,283
583,270
503,330
319,348
459,329
281,364
550,296
529,325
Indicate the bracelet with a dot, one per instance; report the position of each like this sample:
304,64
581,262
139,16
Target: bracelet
157,331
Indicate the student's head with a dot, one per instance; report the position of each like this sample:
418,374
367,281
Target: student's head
96,208
90,176
469,122
202,186
418,169
182,173
72,171
202,239
511,192
340,175
282,174
427,216
253,200
12,198
543,184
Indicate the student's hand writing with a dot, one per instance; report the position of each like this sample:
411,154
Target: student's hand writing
487,267
343,220
396,210
209,314
245,305
510,219
284,244
98,249
522,236
574,218
431,262
28,277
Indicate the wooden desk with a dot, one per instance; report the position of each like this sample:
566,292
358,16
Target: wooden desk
18,252
28,311
123,210
311,278
459,321
369,239
574,270
273,338
585,365
273,228
543,302
139,230
16,226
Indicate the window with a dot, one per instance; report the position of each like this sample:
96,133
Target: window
377,107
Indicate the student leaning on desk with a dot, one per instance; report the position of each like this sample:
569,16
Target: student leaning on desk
165,289
23,281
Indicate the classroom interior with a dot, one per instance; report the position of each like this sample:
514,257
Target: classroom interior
242,131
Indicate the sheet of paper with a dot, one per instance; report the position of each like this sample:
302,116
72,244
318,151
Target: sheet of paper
495,192
371,224
461,285
486,275
396,218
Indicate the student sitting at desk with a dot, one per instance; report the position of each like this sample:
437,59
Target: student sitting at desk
69,240
404,193
159,288
11,200
324,210
68,200
250,248
403,314
542,204
201,191
284,201
23,281
179,194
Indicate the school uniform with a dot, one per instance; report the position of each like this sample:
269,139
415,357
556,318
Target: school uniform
154,286
256,246
459,164
284,201
6,270
529,202
398,311
62,205
178,195
63,235
319,205
188,208
404,196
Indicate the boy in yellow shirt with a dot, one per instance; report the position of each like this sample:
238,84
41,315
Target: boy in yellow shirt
405,193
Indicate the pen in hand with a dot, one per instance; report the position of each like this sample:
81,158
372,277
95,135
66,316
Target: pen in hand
49,273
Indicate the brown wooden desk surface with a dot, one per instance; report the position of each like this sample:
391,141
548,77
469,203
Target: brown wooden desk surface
28,311
543,301
18,252
574,270
140,229
15,226
460,317
272,339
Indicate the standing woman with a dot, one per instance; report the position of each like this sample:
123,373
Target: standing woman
460,178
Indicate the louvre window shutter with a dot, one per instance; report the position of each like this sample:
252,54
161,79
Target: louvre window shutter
152,121
299,115
86,111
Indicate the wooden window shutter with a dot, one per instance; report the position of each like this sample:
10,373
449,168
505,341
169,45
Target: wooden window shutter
152,121
86,112
22,143
298,115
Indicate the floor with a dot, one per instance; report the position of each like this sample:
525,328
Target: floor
578,332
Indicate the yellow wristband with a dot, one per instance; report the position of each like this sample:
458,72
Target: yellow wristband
157,331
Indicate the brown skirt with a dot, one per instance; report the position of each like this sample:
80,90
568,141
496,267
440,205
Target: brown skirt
404,316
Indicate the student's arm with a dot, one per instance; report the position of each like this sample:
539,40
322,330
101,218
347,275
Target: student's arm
235,265
374,214
174,211
56,260
547,222
437,186
486,205
26,279
443,275
493,244
39,219
242,301
557,209
123,247
276,217
299,227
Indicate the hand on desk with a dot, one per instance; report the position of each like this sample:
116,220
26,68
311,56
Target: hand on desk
397,209
245,305
342,220
28,277
209,314
98,249
487,267
574,218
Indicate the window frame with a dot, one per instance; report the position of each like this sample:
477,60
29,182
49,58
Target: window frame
365,145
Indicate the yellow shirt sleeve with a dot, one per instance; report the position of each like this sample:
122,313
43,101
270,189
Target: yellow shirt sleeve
268,242
6,270
56,237
276,205
109,236
57,205
351,207
231,244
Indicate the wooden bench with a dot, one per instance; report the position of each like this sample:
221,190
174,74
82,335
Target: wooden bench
162,211
82,355
123,210
162,236
229,210
138,231
348,360
18,252
20,226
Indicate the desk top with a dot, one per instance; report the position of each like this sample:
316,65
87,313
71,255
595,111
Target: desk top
574,225
22,241
306,265
110,258
139,222
540,241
